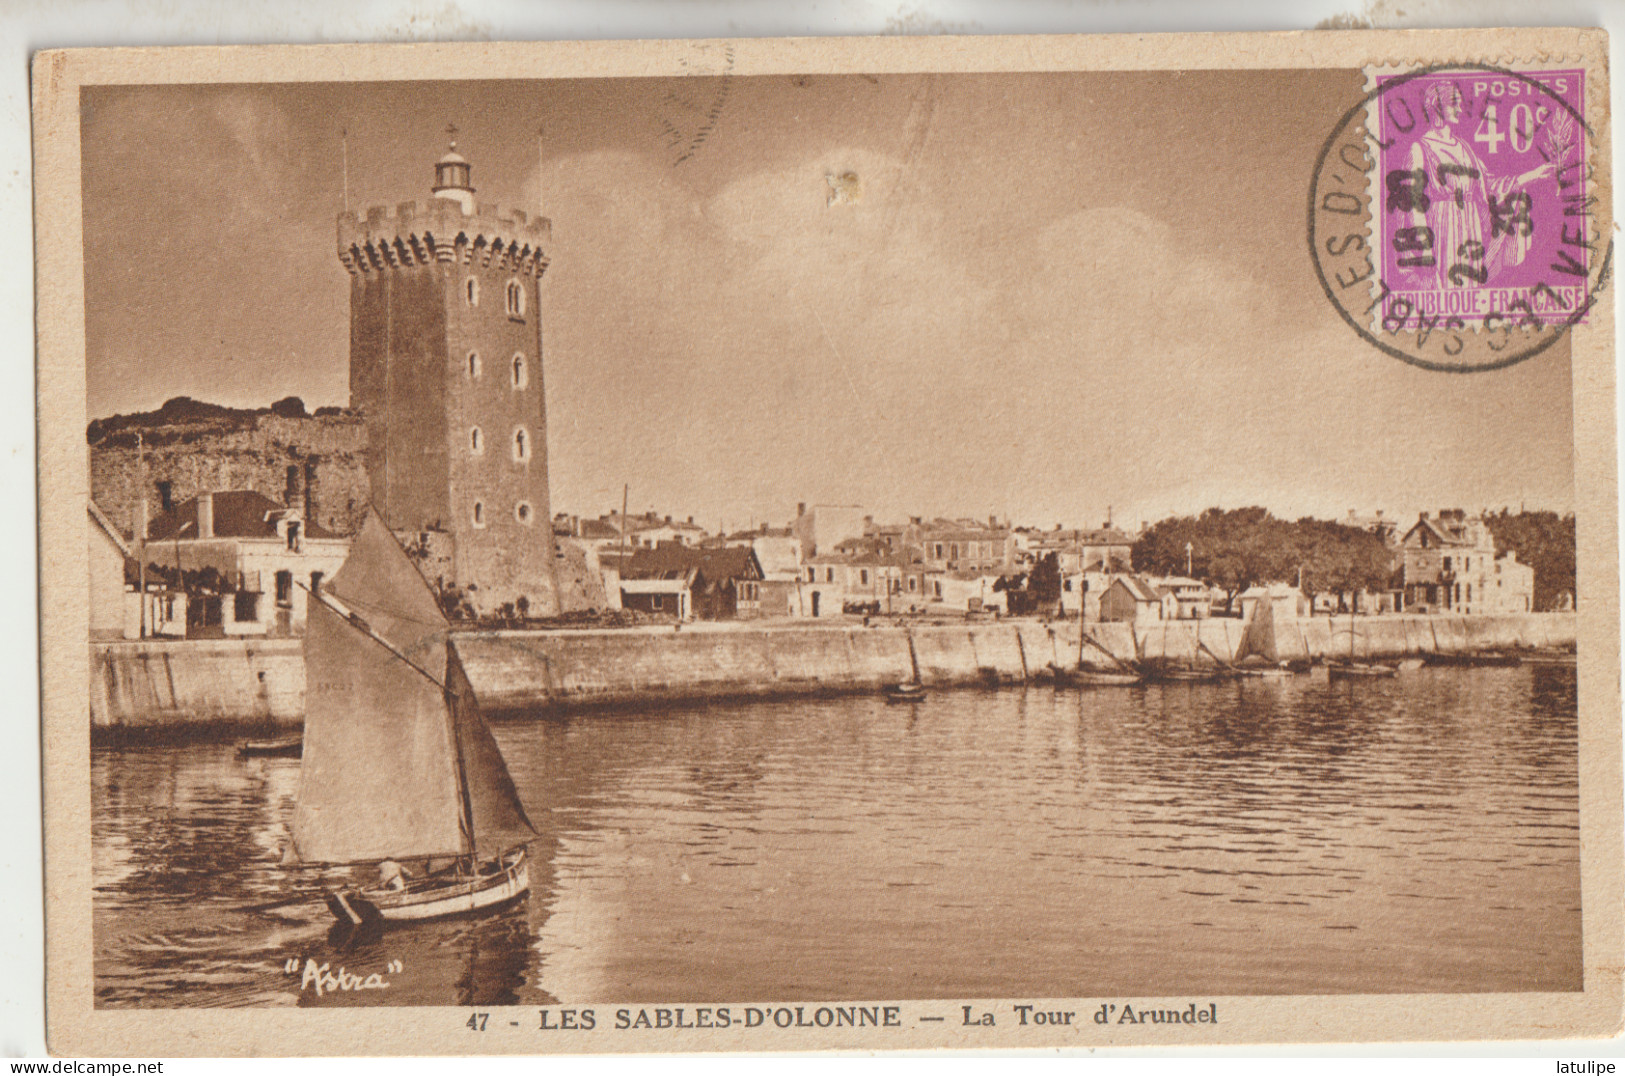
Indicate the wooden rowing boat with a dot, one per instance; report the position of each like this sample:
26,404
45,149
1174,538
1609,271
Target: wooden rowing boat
1089,678
1359,671
284,747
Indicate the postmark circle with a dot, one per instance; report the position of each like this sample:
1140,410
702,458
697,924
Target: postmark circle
1453,218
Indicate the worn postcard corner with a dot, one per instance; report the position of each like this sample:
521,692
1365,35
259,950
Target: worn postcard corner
824,545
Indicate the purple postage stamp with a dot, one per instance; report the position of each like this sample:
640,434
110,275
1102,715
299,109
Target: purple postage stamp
1481,212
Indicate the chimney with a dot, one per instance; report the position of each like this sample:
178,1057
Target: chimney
205,515
801,509
668,519
310,488
691,519
764,528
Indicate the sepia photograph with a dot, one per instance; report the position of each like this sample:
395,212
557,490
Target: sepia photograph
731,539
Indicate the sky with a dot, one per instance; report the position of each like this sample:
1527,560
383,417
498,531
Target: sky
1037,296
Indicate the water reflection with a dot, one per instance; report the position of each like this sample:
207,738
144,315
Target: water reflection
1295,836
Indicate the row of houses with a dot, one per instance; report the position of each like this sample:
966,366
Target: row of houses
237,563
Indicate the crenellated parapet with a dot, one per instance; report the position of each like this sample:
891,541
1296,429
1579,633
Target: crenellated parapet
438,232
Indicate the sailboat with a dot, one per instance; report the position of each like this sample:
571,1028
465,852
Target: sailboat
399,767
1357,670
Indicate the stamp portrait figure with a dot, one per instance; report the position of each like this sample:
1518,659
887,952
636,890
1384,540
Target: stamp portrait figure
1474,221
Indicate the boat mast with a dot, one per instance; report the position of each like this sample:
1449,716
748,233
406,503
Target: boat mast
465,820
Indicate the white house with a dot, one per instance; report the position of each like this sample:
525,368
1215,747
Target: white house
265,558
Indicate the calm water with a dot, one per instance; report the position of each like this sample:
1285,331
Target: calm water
1414,835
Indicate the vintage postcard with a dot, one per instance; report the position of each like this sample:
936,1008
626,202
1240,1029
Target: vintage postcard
829,544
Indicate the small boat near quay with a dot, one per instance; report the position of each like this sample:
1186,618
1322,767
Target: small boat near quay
1359,670
1268,672
282,747
1353,669
1188,675
1561,659
400,775
1474,659
912,691
1091,678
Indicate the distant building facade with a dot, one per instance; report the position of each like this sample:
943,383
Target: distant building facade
721,583
824,526
1133,599
1451,565
109,553
265,561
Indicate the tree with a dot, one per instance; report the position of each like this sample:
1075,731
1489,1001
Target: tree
1244,547
1045,580
1544,541
289,407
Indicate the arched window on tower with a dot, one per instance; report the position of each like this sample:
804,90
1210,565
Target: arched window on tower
476,441
521,374
523,513
479,513
521,445
471,290
473,364
516,299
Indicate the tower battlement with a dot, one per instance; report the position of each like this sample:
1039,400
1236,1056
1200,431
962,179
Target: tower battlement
419,234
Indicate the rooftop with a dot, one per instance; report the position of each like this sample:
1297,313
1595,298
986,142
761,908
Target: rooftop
239,513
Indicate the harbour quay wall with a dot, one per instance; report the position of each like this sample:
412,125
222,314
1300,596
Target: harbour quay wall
152,685
521,670
1407,635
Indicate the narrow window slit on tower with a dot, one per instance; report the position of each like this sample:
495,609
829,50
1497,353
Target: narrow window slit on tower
476,441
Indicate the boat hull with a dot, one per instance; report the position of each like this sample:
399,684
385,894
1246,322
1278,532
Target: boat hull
1360,672
1188,676
432,898
1100,679
1479,659
287,747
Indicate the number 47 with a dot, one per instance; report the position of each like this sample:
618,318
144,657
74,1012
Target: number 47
477,1021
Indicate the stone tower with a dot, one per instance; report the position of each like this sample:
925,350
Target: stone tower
446,368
